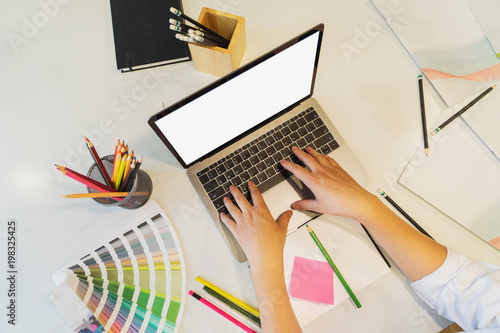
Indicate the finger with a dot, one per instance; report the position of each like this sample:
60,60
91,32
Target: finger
230,224
297,170
311,205
233,210
284,219
257,198
319,157
240,198
308,160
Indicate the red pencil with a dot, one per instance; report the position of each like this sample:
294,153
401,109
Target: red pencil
95,185
221,312
98,161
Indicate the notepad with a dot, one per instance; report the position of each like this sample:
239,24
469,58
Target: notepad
142,34
312,280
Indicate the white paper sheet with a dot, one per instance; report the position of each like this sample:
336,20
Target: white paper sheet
350,249
460,177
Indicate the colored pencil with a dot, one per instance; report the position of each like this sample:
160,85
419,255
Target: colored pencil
335,269
408,217
87,181
129,173
232,305
229,297
102,195
196,23
422,113
116,163
121,170
465,108
231,310
134,172
221,312
98,161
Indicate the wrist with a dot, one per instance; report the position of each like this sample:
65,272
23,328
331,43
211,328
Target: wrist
266,266
371,210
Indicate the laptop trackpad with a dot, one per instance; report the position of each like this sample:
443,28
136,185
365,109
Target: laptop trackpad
282,196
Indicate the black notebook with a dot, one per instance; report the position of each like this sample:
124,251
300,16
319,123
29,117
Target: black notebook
142,35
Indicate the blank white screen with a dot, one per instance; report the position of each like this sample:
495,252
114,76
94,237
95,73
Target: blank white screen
229,110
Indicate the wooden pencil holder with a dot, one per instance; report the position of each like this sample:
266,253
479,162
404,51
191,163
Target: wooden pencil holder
217,60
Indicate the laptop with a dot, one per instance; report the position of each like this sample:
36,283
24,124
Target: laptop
239,128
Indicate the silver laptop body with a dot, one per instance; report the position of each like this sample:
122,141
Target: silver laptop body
239,128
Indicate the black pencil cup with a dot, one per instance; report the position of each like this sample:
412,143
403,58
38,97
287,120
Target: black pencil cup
140,187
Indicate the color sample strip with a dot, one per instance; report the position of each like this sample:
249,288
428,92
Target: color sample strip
157,256
136,281
109,263
95,270
175,264
140,258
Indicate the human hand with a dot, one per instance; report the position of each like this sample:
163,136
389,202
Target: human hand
335,191
259,235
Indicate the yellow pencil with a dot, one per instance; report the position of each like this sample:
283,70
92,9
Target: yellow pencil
119,177
228,296
116,164
127,165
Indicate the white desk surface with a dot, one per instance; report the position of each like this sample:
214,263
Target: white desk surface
59,83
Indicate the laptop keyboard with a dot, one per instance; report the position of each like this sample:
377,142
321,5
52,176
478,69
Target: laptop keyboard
258,161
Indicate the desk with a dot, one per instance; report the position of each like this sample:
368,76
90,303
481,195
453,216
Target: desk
59,83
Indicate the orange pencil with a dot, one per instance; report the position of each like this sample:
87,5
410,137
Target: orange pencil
129,173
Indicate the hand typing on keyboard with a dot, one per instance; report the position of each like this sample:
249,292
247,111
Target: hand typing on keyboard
263,239
335,191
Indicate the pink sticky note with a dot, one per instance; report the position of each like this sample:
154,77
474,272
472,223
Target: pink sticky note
312,280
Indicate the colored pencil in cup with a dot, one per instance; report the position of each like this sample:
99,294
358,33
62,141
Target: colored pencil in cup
95,185
134,171
121,170
221,312
103,195
335,269
128,174
98,161
116,161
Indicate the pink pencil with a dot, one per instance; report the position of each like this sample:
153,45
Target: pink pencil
221,312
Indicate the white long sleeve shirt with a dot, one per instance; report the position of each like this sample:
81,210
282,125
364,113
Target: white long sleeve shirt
464,291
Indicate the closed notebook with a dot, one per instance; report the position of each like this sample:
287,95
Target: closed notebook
142,35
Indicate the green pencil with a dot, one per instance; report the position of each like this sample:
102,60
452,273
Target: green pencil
335,269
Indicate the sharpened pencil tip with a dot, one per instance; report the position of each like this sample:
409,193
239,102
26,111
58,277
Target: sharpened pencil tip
427,151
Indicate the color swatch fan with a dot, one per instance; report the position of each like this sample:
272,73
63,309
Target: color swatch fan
133,281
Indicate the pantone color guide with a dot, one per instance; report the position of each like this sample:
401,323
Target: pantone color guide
133,281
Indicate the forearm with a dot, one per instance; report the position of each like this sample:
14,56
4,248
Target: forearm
275,309
414,253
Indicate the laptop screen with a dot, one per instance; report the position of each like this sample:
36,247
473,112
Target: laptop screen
209,119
